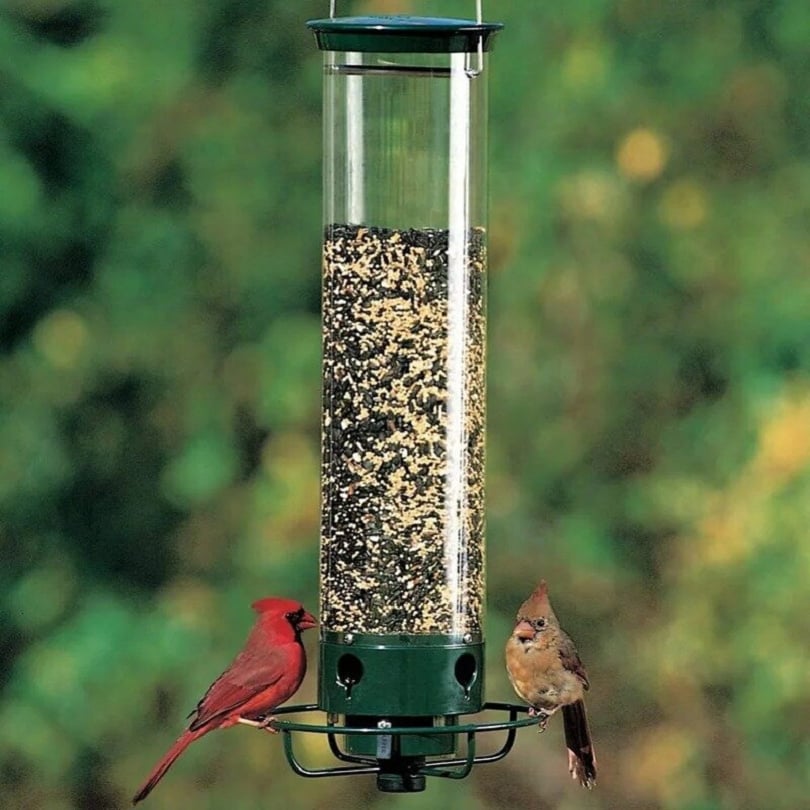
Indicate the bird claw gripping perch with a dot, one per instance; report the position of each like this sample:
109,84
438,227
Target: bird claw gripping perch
544,716
267,724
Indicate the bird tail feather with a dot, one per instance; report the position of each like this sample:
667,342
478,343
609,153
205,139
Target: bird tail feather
581,756
159,771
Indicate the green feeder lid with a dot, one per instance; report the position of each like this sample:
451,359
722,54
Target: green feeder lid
403,34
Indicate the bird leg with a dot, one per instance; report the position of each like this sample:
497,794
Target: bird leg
264,723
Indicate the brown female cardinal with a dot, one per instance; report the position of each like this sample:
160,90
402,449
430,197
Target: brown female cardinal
546,672
267,672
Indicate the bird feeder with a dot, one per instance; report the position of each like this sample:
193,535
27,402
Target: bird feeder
404,277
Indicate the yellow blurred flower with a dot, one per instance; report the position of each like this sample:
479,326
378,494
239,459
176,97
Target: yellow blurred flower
642,155
784,445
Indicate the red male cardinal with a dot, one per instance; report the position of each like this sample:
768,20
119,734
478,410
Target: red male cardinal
546,671
267,672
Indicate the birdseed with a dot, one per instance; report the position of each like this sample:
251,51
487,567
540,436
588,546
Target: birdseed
402,536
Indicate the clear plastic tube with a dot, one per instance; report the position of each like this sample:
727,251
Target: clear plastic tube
404,271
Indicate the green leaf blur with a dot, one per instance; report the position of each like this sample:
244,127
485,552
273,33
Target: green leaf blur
649,390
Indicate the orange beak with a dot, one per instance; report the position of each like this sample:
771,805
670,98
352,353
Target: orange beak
523,630
306,621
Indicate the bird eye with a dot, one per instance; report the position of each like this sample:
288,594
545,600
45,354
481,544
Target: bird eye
538,623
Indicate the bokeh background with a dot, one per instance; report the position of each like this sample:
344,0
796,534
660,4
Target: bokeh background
649,389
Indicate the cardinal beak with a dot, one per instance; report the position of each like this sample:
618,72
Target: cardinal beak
523,631
306,621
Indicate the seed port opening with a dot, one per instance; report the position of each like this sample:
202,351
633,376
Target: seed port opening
466,672
349,672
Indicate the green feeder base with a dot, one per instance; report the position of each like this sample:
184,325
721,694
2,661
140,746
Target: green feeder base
416,681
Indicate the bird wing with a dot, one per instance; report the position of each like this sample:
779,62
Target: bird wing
570,659
250,674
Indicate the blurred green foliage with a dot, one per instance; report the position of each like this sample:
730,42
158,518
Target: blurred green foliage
649,401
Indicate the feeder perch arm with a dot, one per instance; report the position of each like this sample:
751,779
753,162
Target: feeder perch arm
452,768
